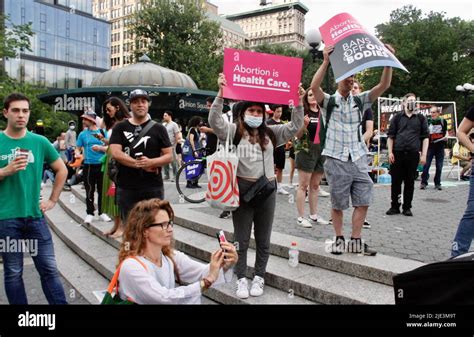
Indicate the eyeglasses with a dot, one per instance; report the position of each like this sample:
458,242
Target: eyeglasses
137,131
163,225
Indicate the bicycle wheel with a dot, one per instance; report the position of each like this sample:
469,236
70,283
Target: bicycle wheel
191,182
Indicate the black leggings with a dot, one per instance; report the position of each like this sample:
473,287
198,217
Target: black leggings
93,177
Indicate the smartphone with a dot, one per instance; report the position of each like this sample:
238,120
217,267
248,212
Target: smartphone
221,238
138,155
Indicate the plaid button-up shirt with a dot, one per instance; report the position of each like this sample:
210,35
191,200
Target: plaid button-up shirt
342,138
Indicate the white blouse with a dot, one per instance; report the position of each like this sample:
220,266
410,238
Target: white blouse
156,285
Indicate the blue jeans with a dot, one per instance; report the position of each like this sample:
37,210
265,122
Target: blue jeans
465,233
437,152
45,262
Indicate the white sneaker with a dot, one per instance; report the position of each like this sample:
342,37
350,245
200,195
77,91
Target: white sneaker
242,288
257,286
304,222
323,193
88,219
282,191
319,219
290,186
105,217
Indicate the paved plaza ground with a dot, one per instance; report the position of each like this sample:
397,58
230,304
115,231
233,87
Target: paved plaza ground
425,237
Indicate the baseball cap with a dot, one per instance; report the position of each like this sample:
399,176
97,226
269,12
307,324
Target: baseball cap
90,115
138,93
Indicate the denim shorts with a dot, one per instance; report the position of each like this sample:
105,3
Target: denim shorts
348,179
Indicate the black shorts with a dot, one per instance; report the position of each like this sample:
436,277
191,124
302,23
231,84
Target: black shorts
178,148
279,157
292,152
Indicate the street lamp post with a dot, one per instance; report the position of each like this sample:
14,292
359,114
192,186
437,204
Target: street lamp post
466,89
314,40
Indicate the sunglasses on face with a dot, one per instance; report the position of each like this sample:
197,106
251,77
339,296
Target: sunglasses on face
164,225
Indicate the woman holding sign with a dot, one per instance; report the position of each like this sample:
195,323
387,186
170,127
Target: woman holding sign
255,142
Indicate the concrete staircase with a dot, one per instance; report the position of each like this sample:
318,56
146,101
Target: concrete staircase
320,278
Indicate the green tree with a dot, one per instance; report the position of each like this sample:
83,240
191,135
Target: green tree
435,49
14,39
55,122
178,35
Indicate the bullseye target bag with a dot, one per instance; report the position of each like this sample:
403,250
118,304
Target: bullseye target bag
222,188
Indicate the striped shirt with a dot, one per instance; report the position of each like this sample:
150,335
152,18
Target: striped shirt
342,138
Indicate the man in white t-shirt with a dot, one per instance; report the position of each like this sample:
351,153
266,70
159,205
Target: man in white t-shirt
175,136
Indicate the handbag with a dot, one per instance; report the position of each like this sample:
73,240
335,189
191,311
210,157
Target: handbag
112,296
222,187
113,167
260,190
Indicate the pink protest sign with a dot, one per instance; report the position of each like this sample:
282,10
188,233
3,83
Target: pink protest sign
260,77
355,49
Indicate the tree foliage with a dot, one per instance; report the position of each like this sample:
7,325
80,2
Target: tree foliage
13,41
178,35
435,49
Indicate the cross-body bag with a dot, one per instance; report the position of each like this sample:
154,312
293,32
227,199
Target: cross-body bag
260,190
114,167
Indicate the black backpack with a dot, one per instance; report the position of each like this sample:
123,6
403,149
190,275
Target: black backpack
331,105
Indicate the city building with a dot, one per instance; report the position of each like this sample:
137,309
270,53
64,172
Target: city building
281,22
69,47
119,12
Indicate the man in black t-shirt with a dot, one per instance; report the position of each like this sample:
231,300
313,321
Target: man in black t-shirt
407,136
139,175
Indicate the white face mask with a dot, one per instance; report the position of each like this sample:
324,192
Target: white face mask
72,127
253,122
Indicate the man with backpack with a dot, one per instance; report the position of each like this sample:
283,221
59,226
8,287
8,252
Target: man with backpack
407,135
346,164
141,147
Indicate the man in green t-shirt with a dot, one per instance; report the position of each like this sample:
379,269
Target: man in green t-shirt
22,224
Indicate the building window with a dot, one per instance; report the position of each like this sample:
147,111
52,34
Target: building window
68,28
43,48
23,15
95,38
43,22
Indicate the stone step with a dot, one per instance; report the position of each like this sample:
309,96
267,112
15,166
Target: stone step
84,278
313,283
380,268
88,250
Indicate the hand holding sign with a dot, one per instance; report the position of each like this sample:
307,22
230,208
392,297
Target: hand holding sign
354,48
260,77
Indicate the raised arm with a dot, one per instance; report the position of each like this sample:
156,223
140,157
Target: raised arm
319,75
216,119
385,80
285,132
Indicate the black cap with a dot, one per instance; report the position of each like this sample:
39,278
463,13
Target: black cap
137,93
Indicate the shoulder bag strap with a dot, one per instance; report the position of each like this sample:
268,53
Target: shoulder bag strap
142,133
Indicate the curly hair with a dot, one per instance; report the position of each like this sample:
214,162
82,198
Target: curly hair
142,215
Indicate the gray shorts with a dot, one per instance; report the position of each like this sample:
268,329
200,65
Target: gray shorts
348,179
